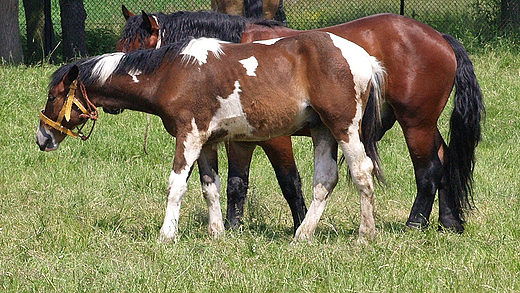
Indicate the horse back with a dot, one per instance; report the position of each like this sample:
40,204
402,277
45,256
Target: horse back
260,90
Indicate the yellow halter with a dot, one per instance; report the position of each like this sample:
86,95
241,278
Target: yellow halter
66,110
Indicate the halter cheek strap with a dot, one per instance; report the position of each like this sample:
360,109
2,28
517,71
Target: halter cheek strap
67,109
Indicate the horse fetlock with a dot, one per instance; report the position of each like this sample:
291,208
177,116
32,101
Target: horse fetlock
302,235
367,232
216,229
167,234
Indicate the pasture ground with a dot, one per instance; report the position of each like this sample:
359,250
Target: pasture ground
87,217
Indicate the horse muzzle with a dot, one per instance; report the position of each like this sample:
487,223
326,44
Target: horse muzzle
45,139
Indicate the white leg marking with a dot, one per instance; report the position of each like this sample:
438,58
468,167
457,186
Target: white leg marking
325,179
361,169
177,188
211,192
178,185
250,64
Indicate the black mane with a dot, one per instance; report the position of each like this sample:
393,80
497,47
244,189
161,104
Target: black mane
180,26
143,61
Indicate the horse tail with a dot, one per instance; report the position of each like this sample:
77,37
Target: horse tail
372,117
253,8
465,130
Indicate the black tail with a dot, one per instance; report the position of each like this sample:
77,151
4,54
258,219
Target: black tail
253,8
465,130
372,117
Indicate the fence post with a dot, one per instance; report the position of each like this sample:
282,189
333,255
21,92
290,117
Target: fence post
402,7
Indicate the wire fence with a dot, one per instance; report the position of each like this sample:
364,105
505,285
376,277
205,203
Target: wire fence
476,21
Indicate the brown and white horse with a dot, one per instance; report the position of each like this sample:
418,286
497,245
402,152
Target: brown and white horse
423,66
207,91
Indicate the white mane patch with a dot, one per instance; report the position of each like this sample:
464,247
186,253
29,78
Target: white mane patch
105,66
198,49
134,73
268,42
250,64
230,115
358,59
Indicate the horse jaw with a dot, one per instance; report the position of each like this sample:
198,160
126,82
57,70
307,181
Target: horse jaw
46,139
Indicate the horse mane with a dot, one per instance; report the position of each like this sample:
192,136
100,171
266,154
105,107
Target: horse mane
180,26
143,61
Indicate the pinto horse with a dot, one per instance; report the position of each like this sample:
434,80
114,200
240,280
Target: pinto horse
423,66
208,91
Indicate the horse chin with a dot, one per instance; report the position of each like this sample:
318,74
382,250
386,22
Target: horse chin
47,140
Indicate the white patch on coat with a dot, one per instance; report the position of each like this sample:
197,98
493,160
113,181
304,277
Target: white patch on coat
268,42
250,64
134,73
197,50
106,65
359,60
230,115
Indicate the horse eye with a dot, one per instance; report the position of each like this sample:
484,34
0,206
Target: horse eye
51,98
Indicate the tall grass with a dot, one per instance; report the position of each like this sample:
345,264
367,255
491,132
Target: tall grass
86,217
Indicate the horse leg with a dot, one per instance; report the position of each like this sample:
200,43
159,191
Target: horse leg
185,157
324,181
210,182
426,148
280,153
361,169
239,158
448,213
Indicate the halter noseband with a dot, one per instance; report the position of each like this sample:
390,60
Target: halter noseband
66,110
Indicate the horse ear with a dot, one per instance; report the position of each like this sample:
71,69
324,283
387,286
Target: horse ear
146,21
71,75
126,13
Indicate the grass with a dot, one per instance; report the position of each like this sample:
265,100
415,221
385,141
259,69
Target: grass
86,217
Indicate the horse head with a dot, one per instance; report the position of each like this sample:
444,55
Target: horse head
67,107
140,32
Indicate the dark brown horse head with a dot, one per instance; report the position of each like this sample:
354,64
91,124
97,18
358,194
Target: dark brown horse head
140,32
66,108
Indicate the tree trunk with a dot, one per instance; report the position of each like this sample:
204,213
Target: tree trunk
10,43
510,16
73,17
40,32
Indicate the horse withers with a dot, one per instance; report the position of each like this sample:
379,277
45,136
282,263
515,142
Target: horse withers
207,91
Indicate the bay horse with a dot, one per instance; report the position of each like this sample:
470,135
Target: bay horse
423,66
207,91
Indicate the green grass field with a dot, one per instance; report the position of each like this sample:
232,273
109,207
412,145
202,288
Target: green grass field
87,217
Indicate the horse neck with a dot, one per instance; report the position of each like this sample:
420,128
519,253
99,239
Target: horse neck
122,92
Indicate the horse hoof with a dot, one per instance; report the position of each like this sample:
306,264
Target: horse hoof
455,227
419,223
167,237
